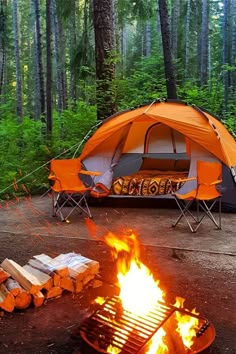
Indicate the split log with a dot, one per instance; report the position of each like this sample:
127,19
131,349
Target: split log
45,269
38,299
7,301
79,266
78,286
173,339
3,275
91,264
12,286
28,281
87,279
53,265
67,283
43,278
23,300
55,291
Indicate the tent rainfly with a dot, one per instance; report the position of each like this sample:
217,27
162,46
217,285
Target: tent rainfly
153,134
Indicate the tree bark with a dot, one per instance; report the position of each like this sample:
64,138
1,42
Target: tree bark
105,66
19,109
166,43
38,63
49,68
204,43
2,42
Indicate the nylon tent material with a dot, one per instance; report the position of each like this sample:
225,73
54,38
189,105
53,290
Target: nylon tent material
199,126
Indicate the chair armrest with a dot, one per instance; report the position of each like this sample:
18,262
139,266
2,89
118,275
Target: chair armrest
90,173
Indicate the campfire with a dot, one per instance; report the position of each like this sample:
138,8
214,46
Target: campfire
139,320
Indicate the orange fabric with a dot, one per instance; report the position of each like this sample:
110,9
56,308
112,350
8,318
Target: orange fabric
65,174
207,131
208,176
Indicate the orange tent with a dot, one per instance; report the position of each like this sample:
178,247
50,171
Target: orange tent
194,123
163,129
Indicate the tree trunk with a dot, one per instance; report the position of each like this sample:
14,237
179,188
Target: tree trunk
204,43
105,66
49,68
187,27
225,58
58,58
19,110
233,49
199,38
174,28
166,43
38,60
2,42
72,44
148,38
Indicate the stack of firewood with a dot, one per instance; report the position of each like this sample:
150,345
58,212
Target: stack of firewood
43,278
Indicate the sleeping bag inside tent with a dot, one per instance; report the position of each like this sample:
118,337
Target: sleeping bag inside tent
142,152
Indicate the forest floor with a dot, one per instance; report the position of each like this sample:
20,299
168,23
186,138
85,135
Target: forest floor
200,267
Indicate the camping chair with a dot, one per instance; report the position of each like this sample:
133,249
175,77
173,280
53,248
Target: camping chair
205,194
67,187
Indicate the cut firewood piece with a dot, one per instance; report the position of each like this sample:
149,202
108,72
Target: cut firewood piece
78,286
91,264
12,286
55,291
79,266
87,279
38,299
53,265
7,300
43,278
23,300
45,269
3,275
67,283
28,281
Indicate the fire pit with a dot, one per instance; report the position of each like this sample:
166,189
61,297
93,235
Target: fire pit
139,321
111,329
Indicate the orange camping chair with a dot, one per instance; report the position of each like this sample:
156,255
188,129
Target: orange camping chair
205,195
67,187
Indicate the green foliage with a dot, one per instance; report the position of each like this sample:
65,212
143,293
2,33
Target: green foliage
26,153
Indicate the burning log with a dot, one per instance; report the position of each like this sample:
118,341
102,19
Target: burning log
45,280
28,281
7,301
3,275
12,286
174,341
38,299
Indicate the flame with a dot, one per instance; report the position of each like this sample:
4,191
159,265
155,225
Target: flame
140,292
187,325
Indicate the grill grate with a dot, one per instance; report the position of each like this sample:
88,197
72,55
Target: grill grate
129,333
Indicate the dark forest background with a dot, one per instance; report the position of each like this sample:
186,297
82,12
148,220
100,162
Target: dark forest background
66,65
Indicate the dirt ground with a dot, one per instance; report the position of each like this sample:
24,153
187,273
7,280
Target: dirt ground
199,267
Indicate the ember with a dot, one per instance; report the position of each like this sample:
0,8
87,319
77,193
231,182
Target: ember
139,320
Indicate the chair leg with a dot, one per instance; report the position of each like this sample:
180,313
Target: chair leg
207,212
184,209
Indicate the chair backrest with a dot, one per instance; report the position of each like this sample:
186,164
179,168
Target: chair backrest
65,175
208,173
